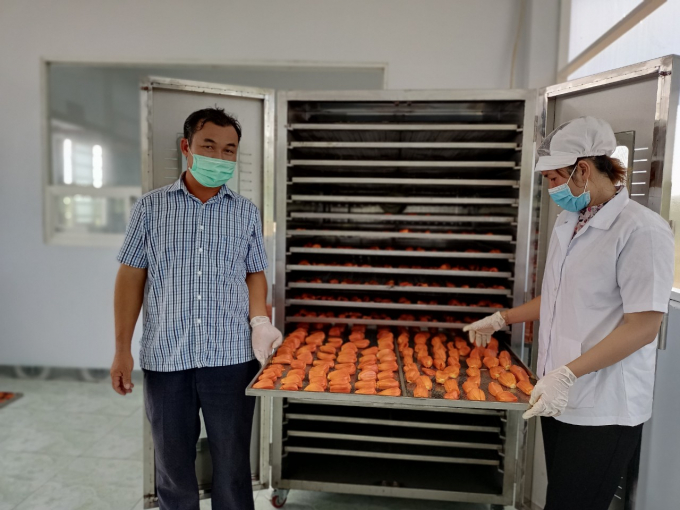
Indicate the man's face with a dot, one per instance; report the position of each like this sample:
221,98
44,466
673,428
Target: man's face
212,141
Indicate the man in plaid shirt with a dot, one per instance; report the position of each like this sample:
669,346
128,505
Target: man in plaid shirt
194,254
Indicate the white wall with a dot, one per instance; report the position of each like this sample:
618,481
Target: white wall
55,306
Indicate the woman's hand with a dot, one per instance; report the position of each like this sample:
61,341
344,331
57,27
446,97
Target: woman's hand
481,331
551,394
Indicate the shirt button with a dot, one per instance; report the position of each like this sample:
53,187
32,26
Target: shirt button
198,297
199,273
198,321
201,227
200,250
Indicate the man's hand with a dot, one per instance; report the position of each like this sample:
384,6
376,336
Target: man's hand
481,331
551,394
266,338
121,373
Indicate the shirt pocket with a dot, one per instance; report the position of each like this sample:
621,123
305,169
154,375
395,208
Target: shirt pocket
582,393
231,254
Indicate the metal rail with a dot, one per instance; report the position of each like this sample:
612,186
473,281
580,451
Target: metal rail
404,200
402,127
434,236
403,164
384,181
393,456
394,306
404,253
398,288
403,145
382,270
413,218
378,322
395,440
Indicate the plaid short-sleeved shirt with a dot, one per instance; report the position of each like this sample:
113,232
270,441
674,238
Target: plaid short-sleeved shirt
197,256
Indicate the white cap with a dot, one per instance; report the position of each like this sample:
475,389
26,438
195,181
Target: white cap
579,138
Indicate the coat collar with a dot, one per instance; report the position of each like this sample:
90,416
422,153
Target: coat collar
603,220
606,216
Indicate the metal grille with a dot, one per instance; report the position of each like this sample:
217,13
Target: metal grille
401,213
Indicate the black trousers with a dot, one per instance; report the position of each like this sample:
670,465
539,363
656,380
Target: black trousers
173,400
585,463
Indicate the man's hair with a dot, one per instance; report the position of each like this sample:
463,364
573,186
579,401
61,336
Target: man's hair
216,115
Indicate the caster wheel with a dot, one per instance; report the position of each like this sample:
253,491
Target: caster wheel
278,503
279,498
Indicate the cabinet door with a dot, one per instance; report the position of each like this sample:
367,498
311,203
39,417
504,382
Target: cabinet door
640,103
165,104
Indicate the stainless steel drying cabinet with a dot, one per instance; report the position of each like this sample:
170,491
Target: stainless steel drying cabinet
401,208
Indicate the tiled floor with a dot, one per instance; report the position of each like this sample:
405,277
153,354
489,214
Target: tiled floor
70,445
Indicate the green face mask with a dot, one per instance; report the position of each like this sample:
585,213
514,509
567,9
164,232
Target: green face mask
211,172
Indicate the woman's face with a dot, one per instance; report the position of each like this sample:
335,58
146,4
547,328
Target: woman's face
554,178
558,177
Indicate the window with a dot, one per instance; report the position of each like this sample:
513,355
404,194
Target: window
94,135
654,36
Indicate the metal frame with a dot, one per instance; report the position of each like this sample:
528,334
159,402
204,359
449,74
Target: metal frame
516,428
512,423
267,97
524,204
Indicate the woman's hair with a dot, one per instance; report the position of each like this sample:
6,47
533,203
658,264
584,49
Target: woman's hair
611,167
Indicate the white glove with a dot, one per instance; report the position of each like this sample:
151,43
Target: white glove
551,394
481,331
266,338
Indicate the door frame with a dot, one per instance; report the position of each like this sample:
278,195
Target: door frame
267,96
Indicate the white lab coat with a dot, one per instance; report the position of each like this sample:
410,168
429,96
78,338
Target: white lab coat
620,262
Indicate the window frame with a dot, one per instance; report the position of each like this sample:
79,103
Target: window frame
49,190
566,67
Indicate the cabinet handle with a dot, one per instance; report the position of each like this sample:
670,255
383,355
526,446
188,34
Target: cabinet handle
663,332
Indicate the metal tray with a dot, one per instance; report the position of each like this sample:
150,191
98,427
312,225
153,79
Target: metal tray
438,391
406,400
397,288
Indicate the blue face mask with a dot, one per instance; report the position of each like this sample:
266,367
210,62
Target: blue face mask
563,196
211,172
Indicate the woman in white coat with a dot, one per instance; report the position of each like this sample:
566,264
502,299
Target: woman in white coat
607,283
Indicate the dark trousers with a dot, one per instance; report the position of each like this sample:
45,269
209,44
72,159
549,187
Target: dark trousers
172,401
585,463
